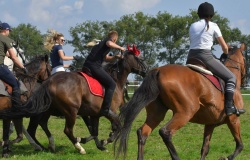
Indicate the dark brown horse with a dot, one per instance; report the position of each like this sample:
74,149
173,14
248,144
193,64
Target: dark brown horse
191,98
39,70
70,96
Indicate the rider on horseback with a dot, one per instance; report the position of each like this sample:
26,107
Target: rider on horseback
201,35
5,74
94,63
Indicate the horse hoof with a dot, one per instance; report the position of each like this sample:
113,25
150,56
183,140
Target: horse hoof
104,142
240,111
102,148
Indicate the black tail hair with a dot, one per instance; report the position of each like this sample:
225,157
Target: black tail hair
145,94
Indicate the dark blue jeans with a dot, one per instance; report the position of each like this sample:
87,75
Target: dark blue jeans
7,76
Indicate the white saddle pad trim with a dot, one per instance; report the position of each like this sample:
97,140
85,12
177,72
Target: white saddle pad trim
199,69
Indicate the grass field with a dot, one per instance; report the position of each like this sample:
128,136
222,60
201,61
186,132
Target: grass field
187,140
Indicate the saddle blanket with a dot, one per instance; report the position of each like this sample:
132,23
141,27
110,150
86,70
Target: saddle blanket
94,86
4,90
209,75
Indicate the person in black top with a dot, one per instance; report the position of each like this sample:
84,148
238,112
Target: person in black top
94,61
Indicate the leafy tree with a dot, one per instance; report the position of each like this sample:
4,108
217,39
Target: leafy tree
173,37
30,39
137,29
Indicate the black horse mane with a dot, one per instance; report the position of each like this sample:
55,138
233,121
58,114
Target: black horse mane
33,67
113,67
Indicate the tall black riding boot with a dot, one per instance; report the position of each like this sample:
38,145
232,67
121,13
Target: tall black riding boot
228,104
105,109
16,100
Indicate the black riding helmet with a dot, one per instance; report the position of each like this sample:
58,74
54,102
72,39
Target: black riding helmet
206,10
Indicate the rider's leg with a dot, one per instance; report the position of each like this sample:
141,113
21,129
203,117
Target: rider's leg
7,76
229,94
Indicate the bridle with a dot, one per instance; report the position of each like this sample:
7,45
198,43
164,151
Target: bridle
235,65
35,79
141,68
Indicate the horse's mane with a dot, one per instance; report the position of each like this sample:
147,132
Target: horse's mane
232,49
32,66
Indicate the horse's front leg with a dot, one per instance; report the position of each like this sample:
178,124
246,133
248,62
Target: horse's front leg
18,123
208,131
234,126
116,126
92,124
6,144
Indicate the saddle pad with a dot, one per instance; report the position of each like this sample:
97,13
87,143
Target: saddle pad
6,90
94,86
200,69
214,80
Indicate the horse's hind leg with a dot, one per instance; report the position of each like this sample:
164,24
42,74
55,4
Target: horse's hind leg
208,130
68,130
166,132
155,114
92,125
234,126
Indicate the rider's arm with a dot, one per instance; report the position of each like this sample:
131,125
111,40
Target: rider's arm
63,57
14,58
223,44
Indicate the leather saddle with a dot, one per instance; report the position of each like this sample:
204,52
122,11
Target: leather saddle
199,66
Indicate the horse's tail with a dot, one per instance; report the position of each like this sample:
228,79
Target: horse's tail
39,102
145,94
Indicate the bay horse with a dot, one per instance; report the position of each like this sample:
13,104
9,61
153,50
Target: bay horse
191,97
39,69
70,96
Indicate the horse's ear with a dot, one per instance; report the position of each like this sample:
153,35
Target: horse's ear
46,58
243,47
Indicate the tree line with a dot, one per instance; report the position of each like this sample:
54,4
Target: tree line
162,38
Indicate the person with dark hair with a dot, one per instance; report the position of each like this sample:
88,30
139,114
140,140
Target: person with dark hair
6,44
201,35
93,62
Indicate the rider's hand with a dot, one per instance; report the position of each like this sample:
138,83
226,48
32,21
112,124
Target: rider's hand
119,56
76,57
223,57
25,70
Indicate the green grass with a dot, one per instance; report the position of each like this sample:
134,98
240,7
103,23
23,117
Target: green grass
187,140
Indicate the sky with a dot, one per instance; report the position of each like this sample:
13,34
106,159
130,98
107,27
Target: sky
63,14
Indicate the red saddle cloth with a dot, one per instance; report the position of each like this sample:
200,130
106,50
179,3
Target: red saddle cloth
214,80
94,86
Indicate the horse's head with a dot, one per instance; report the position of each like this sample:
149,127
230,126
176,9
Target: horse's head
134,61
236,62
38,68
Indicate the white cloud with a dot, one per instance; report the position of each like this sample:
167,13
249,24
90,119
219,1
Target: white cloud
66,9
128,6
39,10
79,4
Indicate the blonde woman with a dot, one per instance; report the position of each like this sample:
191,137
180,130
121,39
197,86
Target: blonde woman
54,42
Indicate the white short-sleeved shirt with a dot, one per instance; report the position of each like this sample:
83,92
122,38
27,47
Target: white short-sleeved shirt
200,37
